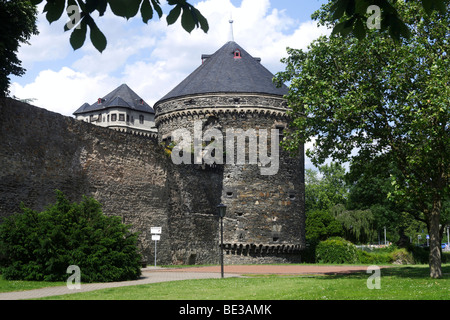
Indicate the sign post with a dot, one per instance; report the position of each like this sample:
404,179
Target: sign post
156,236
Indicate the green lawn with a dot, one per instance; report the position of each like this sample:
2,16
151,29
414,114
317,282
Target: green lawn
16,285
397,283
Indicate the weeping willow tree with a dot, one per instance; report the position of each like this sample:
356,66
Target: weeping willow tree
359,225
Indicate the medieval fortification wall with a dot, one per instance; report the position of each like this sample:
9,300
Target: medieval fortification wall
132,177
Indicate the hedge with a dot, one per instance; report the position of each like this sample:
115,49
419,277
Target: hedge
339,250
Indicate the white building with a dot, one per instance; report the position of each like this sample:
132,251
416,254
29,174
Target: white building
122,109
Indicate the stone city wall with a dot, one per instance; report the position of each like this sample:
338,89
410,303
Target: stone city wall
134,178
130,175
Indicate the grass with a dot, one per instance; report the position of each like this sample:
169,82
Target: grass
397,283
18,285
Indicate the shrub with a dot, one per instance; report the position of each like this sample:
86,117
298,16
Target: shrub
401,256
445,257
41,246
421,255
375,257
336,250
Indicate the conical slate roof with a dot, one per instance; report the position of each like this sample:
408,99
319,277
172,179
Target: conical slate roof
122,96
230,70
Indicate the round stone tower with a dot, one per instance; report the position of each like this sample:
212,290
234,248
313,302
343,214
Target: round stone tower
223,124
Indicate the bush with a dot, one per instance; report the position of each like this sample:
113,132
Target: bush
421,255
382,257
41,246
336,250
445,257
401,256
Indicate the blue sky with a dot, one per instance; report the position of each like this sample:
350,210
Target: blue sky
154,58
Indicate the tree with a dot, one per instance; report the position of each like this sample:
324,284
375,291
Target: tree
80,15
369,188
371,100
358,16
358,224
320,225
321,194
17,25
326,191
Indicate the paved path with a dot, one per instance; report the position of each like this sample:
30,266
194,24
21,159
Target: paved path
154,275
277,269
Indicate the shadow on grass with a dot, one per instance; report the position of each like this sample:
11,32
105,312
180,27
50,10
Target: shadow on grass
412,272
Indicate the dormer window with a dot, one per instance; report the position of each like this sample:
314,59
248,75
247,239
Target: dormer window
237,54
100,100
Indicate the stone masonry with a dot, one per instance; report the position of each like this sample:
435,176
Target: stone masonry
134,176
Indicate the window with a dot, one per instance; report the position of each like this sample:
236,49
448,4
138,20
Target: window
237,54
280,129
128,118
121,117
100,117
141,119
114,117
108,117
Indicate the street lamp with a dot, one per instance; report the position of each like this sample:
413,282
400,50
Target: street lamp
221,210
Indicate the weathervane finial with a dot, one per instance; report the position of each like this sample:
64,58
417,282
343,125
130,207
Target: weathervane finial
231,27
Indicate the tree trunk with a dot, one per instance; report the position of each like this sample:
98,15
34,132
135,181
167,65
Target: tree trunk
435,240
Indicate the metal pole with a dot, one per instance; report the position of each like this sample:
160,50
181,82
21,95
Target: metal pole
155,252
448,237
221,246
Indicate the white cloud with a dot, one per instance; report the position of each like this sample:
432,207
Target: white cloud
63,91
51,44
153,58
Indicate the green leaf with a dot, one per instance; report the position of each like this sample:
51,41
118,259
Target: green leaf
157,8
78,35
125,8
187,20
359,30
202,20
54,9
173,15
344,28
337,9
440,6
101,7
98,39
428,6
35,2
146,11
